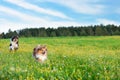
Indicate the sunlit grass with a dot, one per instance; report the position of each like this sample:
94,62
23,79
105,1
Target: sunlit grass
69,58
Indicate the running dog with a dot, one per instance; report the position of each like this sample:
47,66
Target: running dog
14,43
40,53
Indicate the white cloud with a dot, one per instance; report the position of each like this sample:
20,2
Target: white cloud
106,21
22,16
82,6
36,8
28,21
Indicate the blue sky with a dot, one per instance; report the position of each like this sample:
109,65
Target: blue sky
19,14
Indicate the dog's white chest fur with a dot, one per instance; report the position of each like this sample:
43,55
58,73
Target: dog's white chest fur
13,46
41,57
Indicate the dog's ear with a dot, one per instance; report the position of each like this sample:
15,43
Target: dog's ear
12,38
34,51
45,47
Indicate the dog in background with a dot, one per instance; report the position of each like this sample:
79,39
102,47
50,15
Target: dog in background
40,53
14,43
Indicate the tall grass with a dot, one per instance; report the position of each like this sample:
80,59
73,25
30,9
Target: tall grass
69,58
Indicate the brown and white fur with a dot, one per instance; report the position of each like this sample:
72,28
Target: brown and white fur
40,53
14,43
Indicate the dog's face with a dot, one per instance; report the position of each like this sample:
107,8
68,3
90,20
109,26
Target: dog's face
40,50
40,53
15,39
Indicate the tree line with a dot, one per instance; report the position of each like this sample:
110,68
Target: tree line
93,30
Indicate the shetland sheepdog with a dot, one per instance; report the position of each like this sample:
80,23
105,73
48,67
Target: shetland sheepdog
40,53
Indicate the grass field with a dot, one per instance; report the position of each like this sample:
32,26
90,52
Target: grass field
69,58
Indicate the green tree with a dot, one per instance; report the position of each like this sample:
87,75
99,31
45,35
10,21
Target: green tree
53,34
89,31
83,32
117,32
2,35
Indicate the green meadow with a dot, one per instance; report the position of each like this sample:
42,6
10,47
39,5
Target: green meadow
69,58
